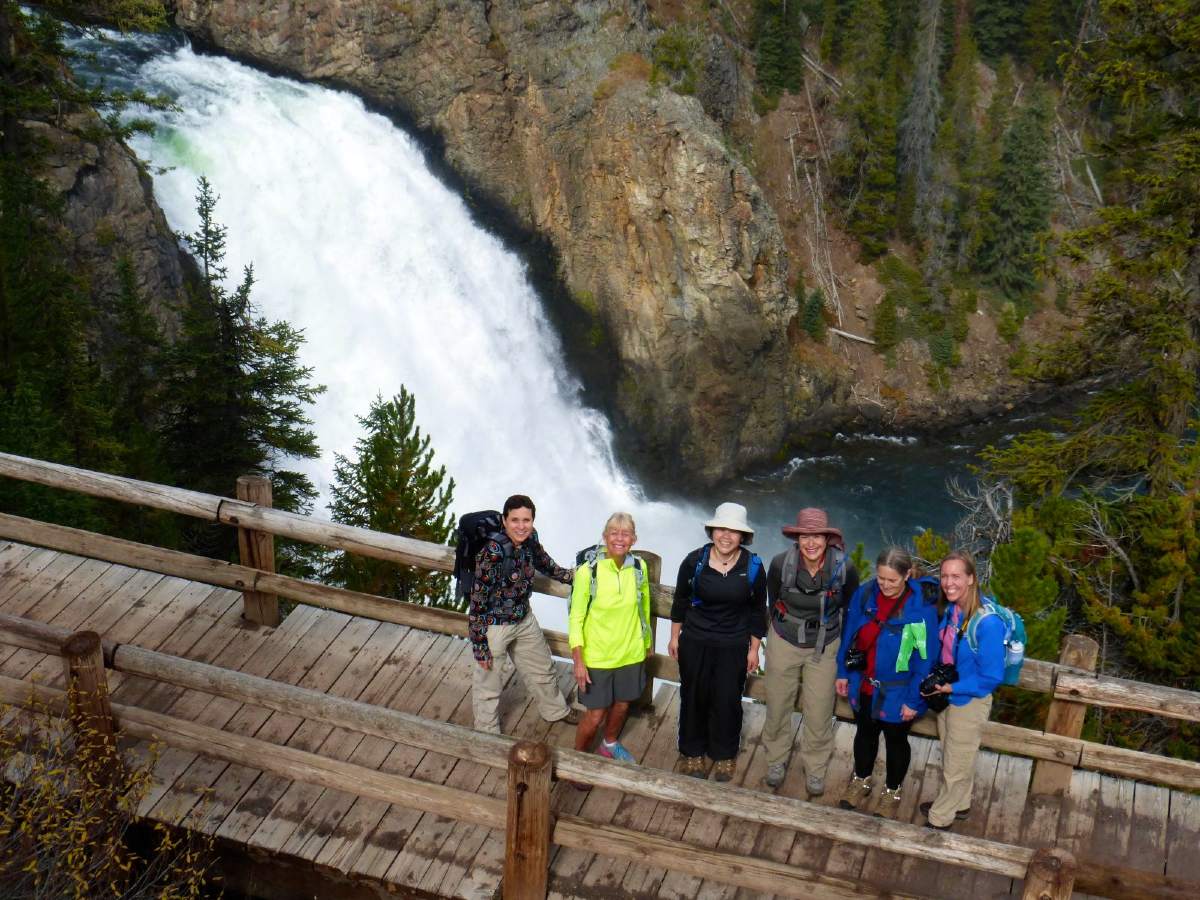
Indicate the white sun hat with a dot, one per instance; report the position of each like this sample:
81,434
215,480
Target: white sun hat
733,517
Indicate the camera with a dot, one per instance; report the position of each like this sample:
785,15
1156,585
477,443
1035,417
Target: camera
942,673
856,660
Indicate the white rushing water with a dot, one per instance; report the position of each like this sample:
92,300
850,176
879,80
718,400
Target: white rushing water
354,241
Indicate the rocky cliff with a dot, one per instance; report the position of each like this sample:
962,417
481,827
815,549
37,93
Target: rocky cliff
109,214
672,261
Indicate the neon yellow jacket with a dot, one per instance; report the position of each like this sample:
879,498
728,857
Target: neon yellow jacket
610,631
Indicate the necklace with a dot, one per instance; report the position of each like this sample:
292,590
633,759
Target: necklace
721,563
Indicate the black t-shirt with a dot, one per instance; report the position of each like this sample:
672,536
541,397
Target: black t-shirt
730,608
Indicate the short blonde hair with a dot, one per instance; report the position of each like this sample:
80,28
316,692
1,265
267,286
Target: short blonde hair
620,519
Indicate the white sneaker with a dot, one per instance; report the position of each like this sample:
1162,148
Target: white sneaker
775,774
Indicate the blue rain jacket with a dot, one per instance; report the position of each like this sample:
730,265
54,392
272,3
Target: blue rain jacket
894,688
980,671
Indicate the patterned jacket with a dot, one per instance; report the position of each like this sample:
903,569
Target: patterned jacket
496,600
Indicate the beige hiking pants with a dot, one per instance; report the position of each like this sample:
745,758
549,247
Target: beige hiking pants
792,670
525,644
960,729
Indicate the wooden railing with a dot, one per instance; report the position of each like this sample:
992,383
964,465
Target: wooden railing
1058,749
525,816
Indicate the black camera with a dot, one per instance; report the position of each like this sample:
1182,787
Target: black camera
942,673
856,660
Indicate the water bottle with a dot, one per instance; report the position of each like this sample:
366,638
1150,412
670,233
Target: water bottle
1014,653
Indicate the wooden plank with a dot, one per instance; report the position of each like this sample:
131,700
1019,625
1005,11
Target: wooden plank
454,863
112,487
1120,693
603,874
777,843
431,832
569,869
357,824
880,867
33,578
1114,821
322,808
954,881
1183,836
1005,813
1065,717
11,554
244,646
846,860
1078,819
1142,766
1148,831
931,784
323,661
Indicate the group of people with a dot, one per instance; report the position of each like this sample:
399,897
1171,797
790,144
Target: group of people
893,646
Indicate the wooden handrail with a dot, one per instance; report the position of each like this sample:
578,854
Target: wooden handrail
1036,675
1119,693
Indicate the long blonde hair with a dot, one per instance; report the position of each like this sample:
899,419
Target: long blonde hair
968,562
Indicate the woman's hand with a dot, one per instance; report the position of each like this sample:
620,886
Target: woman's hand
907,714
673,647
752,660
945,688
582,678
842,686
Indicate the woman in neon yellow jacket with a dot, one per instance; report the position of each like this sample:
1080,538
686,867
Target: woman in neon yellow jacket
610,636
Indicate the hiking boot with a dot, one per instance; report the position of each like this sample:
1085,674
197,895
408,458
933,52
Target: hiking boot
815,785
693,766
856,793
617,751
723,770
889,803
571,718
775,774
961,815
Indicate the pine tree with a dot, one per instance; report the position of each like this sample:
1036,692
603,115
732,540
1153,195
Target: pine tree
235,391
866,167
813,314
1019,215
998,26
919,126
393,486
886,330
1115,487
778,44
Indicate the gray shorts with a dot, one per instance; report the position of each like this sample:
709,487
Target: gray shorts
624,684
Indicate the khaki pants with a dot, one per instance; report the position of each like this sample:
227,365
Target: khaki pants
960,729
792,670
526,645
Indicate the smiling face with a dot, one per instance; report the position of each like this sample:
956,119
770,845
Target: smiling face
618,539
891,582
726,540
518,525
812,547
957,582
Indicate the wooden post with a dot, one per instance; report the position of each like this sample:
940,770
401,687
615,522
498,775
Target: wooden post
645,703
257,551
529,826
87,700
1065,718
1051,875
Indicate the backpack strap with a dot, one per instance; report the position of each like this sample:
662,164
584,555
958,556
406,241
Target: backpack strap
987,607
753,569
640,575
700,564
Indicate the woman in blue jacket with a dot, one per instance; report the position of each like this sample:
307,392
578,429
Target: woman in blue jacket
892,642
976,649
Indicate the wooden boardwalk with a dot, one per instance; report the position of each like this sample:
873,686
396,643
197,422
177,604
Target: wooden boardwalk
1143,826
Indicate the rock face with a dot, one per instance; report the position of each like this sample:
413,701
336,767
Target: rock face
110,214
672,259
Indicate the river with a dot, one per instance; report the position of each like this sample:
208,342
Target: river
356,242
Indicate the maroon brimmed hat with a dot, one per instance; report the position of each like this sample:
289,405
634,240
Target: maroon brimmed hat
811,520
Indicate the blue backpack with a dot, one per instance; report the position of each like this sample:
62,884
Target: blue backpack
752,571
1014,637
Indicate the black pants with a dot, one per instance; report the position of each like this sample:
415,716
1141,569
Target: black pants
866,744
711,681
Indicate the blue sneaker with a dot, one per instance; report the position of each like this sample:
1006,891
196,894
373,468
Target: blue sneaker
617,751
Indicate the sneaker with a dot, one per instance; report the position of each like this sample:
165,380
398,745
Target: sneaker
723,770
693,766
961,815
856,793
617,751
815,785
775,774
889,803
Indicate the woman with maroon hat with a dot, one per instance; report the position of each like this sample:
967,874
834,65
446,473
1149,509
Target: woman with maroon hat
809,586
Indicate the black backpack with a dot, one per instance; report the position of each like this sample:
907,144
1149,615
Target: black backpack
474,530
